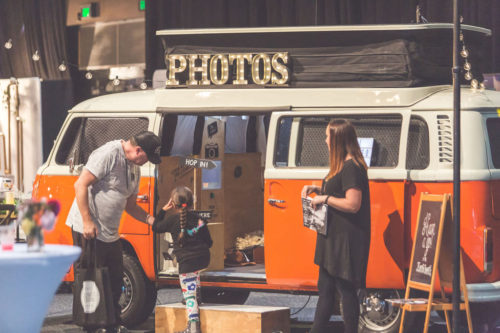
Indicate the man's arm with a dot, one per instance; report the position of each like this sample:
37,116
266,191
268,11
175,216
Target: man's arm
82,200
137,212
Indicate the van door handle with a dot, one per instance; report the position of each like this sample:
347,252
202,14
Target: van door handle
142,198
274,202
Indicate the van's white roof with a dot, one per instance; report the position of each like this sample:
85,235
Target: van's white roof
422,98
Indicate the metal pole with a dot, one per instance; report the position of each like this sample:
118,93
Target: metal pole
456,165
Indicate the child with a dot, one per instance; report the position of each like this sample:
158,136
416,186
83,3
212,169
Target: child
191,248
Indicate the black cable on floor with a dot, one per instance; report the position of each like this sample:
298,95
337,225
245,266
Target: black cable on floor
302,308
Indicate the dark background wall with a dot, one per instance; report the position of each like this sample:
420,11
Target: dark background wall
177,14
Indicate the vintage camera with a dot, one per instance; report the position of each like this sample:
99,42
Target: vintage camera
211,150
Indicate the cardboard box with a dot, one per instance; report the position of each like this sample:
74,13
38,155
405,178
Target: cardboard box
258,254
217,249
171,175
218,318
243,196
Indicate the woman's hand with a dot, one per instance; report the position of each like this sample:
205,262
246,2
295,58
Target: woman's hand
317,201
308,189
169,205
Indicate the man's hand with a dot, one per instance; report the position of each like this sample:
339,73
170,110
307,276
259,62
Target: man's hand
89,230
150,220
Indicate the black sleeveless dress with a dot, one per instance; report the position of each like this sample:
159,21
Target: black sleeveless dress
343,252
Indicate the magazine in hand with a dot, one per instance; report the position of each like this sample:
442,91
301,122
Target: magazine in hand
315,219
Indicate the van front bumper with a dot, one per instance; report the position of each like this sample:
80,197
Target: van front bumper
484,292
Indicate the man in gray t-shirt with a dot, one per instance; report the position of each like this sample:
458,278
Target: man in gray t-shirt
107,186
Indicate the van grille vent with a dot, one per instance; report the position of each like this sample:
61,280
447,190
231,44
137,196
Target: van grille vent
445,139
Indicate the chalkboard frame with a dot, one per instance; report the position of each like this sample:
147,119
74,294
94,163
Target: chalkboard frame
441,260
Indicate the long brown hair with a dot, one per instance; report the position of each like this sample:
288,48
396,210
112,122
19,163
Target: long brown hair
182,197
343,142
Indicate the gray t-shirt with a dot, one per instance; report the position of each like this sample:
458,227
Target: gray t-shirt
117,180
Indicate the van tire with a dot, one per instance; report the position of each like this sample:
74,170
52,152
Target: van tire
383,318
139,294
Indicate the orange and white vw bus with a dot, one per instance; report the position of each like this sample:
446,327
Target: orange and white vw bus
267,139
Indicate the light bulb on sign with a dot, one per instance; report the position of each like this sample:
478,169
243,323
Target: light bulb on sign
116,81
88,76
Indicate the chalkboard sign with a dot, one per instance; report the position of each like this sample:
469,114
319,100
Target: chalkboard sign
428,233
431,258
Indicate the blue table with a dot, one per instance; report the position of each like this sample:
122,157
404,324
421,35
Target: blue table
28,282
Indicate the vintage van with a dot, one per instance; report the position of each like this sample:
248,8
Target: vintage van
267,139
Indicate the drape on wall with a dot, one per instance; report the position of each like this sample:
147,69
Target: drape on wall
33,25
179,14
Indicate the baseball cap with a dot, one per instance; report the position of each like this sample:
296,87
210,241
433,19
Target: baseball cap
151,144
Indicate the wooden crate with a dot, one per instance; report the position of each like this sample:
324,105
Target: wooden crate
218,318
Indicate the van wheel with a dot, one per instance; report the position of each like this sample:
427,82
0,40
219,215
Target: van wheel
138,297
224,296
378,315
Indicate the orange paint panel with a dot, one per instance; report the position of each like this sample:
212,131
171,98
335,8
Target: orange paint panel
475,214
129,225
137,233
289,248
386,259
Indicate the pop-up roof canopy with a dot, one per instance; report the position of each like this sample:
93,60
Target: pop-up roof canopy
319,56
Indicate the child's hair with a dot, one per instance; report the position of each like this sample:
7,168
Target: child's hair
182,197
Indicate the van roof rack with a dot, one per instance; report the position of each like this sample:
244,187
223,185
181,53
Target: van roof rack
396,55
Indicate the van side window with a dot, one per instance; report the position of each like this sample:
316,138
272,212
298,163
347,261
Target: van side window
493,125
381,132
84,135
417,148
283,142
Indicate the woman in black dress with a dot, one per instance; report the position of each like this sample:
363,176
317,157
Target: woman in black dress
191,248
342,254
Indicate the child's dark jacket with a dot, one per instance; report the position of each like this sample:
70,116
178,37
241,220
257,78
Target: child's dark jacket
194,254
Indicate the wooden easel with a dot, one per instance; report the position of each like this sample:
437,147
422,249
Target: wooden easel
433,248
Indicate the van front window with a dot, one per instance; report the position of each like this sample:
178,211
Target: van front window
493,125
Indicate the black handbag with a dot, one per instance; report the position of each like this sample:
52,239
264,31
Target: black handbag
93,301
